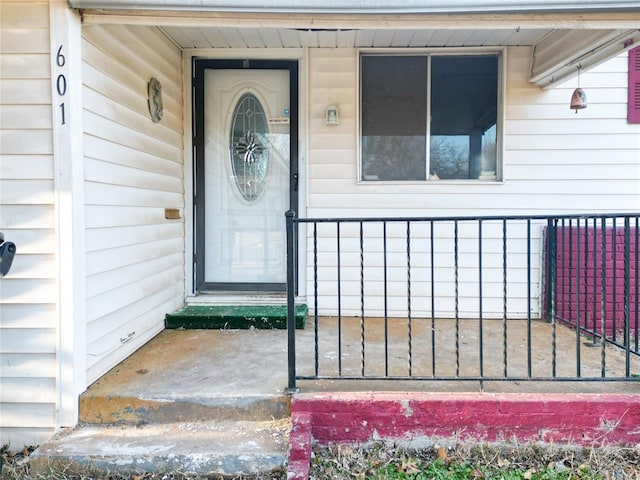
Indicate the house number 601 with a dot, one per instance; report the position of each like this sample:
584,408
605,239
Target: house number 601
61,84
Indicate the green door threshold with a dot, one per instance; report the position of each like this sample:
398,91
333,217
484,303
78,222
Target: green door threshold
234,317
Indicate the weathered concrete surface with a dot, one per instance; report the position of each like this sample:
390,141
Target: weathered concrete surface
118,410
199,402
410,352
210,381
202,373
203,448
193,375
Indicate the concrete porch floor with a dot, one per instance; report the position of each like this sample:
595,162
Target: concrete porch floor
211,367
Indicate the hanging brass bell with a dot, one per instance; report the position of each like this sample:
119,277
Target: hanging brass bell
578,100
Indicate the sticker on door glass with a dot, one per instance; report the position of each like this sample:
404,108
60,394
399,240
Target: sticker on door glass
249,147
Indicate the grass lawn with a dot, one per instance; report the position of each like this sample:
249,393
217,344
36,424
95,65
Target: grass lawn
473,461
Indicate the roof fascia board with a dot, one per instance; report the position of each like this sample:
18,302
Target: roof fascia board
354,22
365,6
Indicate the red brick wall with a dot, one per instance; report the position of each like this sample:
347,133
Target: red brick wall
585,419
579,261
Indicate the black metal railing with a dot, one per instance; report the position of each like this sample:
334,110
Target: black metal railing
546,298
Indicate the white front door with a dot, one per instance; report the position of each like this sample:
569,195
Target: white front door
247,179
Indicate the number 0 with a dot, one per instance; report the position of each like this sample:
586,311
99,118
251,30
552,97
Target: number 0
61,84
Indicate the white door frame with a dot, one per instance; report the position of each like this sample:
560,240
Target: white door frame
189,149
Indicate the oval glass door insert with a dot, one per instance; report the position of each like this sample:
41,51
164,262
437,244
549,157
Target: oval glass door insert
249,147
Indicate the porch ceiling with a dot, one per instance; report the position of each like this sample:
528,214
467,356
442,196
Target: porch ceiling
559,42
556,53
230,37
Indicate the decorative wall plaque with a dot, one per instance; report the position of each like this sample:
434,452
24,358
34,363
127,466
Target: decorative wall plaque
155,100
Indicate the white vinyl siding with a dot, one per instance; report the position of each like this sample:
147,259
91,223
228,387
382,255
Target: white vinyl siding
133,171
28,294
554,162
589,161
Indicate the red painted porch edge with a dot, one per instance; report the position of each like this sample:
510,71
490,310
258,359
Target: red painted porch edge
300,440
578,419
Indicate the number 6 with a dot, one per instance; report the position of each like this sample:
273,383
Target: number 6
60,60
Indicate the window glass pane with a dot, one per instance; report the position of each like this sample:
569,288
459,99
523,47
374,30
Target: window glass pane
463,116
394,103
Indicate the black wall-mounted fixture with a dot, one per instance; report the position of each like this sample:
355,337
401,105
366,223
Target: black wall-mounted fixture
7,252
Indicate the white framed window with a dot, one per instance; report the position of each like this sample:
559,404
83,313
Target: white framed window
429,116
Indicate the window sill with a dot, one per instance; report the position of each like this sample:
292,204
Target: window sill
430,182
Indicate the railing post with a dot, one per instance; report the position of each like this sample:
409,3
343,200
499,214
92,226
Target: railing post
627,294
291,313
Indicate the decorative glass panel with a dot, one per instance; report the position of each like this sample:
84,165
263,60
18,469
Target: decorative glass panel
249,150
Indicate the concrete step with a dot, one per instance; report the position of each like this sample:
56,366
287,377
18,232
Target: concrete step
205,448
194,375
200,402
123,409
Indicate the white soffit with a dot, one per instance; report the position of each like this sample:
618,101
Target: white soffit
205,37
562,53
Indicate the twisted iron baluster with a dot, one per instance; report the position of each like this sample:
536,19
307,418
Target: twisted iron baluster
480,306
386,305
433,304
315,299
456,299
614,248
409,332
554,291
578,294
339,278
362,359
504,296
529,366
603,295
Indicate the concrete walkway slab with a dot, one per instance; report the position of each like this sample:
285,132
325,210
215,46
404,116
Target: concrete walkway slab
204,448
